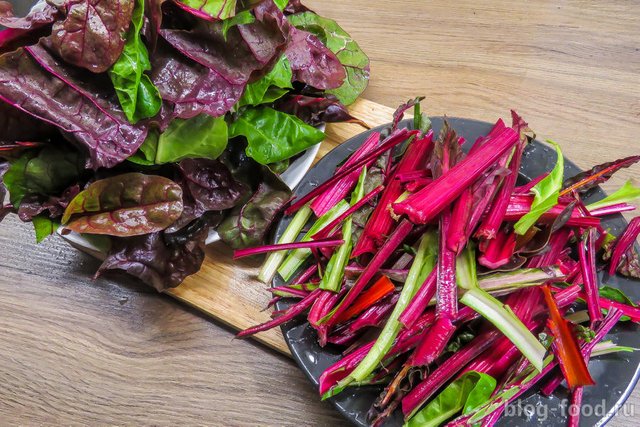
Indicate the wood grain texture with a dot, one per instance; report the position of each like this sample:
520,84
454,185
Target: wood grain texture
78,352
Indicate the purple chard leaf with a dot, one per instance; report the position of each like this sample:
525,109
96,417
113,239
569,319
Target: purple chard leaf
93,32
315,111
312,62
160,260
36,83
131,204
41,14
211,184
190,87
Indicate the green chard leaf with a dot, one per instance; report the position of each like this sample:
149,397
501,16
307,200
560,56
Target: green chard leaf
46,172
272,86
281,3
44,227
618,296
216,9
146,154
138,96
272,135
462,395
546,194
130,204
244,17
354,60
627,193
202,137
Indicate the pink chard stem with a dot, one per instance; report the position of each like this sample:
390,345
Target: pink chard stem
587,256
625,243
424,205
291,313
420,301
325,243
393,242
381,222
394,139
324,202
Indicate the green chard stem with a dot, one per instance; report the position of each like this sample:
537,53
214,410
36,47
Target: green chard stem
499,314
297,257
422,265
332,278
292,231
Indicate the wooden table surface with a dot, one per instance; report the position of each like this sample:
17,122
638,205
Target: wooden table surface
75,351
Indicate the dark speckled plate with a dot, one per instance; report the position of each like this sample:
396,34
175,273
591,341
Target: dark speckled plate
615,375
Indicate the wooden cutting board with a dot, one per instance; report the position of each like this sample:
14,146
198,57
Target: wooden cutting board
227,290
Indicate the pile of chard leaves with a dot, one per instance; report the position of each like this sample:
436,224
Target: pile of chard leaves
148,122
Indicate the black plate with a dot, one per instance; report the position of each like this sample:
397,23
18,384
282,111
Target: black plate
615,375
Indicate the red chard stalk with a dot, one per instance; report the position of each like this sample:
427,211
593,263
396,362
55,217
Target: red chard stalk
324,202
394,139
624,254
424,205
381,222
493,221
587,257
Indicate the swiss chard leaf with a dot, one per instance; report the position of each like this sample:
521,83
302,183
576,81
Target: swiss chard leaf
294,6
160,260
282,4
244,17
270,87
546,194
354,60
249,224
273,136
584,181
315,111
19,126
25,30
312,62
92,35
154,15
216,69
211,184
42,13
146,154
627,193
202,136
33,205
44,227
192,88
46,172
69,99
125,205
462,395
209,9
617,295
138,96
248,50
